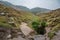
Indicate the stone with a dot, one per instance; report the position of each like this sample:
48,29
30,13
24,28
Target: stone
57,36
39,37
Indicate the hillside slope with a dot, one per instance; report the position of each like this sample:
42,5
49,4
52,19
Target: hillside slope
16,7
14,16
39,10
53,17
53,20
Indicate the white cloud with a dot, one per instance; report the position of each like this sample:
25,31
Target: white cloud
50,4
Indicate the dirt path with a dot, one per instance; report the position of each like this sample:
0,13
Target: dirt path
47,31
25,29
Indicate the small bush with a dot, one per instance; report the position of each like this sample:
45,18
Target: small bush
39,27
35,25
51,35
6,25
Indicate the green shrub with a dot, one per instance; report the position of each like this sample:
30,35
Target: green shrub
35,25
5,25
43,23
51,35
39,27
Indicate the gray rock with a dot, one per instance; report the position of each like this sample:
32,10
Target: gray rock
39,37
57,36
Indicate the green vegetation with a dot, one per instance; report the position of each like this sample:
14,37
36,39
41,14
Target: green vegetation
51,35
39,27
3,22
5,25
35,25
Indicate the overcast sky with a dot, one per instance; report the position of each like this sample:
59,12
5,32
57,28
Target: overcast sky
49,4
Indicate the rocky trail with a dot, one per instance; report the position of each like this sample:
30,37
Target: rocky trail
25,30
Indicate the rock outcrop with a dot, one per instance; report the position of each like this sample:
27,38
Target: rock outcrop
57,36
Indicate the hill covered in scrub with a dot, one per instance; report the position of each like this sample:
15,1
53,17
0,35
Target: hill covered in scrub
35,10
38,10
53,20
9,15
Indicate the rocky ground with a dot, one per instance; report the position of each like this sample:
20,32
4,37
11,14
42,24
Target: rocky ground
23,35
57,36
